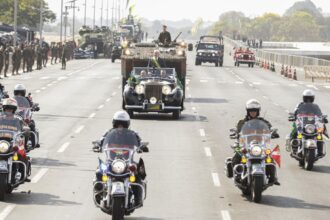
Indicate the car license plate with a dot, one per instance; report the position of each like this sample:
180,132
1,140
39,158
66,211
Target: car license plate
153,107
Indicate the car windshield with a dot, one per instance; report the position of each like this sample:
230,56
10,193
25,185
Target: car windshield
256,131
120,143
145,72
203,46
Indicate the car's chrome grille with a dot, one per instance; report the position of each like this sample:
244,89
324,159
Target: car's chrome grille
153,91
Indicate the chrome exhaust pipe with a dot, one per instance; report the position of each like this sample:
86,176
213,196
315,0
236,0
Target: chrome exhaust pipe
239,169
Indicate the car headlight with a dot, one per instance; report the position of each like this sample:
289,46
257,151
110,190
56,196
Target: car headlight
213,54
180,52
118,166
256,151
200,54
4,146
153,100
139,89
119,48
166,90
127,52
310,129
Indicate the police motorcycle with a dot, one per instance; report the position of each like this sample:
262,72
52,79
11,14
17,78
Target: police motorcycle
308,145
120,185
15,164
253,174
24,110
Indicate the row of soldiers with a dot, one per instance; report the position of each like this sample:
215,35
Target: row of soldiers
29,54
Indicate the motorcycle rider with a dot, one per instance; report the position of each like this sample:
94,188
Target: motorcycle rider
20,90
308,97
253,108
9,107
121,120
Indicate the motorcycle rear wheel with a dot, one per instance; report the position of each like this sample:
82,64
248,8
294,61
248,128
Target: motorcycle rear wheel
118,208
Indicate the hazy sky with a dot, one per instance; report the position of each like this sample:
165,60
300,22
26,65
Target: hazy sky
190,9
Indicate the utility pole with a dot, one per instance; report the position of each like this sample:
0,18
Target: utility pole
85,12
101,13
119,6
15,22
65,21
41,20
107,13
94,14
112,13
61,29
73,17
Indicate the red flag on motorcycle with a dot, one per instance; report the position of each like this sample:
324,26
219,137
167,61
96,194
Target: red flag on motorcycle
276,155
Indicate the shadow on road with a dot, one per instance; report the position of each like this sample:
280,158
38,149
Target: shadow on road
49,116
143,218
287,202
206,100
37,199
38,161
321,169
167,117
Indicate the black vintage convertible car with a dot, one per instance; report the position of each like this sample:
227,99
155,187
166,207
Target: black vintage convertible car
153,90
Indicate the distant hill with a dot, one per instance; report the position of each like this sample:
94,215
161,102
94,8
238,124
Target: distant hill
307,6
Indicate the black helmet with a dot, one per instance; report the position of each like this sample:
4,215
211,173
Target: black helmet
20,90
121,118
308,96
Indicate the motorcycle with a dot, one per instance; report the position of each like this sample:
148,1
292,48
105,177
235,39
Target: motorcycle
120,185
257,168
307,145
15,164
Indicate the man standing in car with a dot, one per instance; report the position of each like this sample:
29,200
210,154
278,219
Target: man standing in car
165,36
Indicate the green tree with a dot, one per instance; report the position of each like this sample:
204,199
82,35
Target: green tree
264,27
28,13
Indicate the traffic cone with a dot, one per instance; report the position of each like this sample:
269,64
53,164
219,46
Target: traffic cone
290,73
282,70
262,64
286,71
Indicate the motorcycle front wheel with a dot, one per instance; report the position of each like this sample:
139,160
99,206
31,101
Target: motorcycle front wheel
3,186
257,184
309,159
118,208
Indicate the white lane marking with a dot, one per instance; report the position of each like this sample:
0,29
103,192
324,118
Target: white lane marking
39,175
63,147
6,211
238,82
256,83
312,86
287,111
114,93
44,77
69,74
193,108
208,152
225,215
250,85
79,129
92,115
276,104
61,78
327,87
238,77
216,180
54,82
265,97
49,84
108,100
43,88
202,132
203,81
100,107
116,77
37,91
293,85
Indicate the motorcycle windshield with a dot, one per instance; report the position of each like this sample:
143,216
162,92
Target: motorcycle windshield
24,108
309,109
9,127
256,131
120,143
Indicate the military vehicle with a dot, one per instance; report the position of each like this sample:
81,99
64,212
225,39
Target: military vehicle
99,38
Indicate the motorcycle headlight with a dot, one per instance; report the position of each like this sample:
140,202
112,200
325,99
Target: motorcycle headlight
310,129
127,52
4,146
139,89
166,90
118,166
256,151
153,100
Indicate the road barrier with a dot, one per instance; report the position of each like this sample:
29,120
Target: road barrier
317,72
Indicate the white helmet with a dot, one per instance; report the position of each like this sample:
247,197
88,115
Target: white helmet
9,103
308,95
20,90
121,118
253,104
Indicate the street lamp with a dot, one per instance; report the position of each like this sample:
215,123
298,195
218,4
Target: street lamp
41,20
15,22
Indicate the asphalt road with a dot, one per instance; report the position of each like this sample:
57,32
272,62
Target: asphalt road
186,160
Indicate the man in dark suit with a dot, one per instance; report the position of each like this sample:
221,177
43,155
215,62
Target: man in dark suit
165,36
156,61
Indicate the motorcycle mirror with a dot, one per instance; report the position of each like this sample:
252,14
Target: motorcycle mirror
274,134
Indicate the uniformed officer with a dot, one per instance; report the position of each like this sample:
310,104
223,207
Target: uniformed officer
1,59
7,52
165,36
